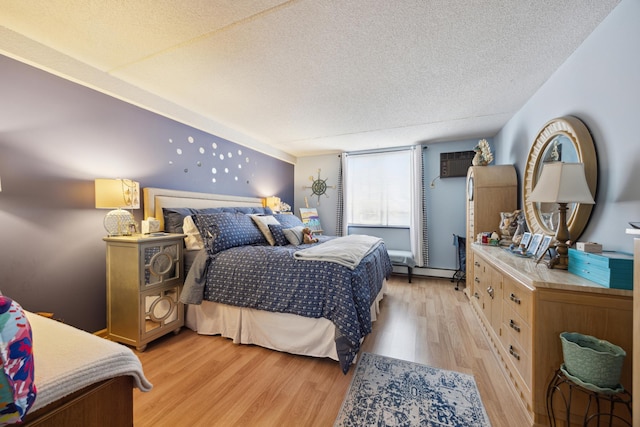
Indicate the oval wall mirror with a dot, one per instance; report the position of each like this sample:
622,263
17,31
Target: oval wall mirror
565,139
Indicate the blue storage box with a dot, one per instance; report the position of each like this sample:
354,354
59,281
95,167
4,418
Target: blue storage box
610,269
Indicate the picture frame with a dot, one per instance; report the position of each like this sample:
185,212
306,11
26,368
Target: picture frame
526,238
535,242
542,248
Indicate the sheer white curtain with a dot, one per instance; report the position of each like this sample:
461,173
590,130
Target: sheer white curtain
419,243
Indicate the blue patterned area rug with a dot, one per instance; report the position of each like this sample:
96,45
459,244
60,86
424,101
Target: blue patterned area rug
392,392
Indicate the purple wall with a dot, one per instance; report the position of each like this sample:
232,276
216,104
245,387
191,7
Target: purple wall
56,137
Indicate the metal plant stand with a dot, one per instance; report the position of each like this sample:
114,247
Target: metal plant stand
600,409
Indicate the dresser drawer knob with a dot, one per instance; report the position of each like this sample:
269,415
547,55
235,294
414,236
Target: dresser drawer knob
477,295
476,263
514,326
476,280
514,353
514,298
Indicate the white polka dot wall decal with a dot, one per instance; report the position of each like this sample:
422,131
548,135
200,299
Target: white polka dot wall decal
226,170
170,141
190,139
213,180
239,166
239,152
246,160
199,164
170,162
235,177
229,154
214,170
179,151
221,156
201,150
214,145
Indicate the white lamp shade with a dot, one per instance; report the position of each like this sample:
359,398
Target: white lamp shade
273,202
117,193
562,183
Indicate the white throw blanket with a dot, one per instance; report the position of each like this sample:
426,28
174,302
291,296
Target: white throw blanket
68,359
347,250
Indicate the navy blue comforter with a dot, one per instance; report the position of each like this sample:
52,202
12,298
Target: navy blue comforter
269,278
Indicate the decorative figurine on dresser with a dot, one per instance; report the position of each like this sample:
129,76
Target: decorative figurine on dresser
145,274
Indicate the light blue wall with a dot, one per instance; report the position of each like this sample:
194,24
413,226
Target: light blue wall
600,84
446,205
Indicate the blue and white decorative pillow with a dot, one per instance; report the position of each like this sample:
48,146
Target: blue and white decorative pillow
263,222
278,235
288,221
221,231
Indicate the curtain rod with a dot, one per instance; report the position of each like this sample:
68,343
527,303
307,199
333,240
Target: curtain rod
383,150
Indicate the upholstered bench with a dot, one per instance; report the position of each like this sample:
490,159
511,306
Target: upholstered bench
403,258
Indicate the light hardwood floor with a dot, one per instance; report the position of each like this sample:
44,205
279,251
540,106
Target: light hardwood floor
209,381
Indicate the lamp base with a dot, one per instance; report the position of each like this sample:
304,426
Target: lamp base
117,222
561,259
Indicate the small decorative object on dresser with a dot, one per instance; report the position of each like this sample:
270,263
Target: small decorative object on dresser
508,226
483,154
144,280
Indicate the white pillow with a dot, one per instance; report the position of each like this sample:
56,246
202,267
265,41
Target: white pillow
263,221
294,235
193,241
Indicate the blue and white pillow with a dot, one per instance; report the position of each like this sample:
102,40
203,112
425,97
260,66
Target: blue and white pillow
288,220
221,231
278,235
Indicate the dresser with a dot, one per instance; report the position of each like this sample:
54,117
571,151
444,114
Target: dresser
524,306
144,280
490,190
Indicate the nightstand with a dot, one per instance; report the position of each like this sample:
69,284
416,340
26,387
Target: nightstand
144,279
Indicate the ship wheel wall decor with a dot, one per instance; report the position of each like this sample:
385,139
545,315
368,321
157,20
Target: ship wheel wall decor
318,186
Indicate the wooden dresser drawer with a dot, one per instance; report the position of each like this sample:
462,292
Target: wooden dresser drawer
518,298
520,359
515,329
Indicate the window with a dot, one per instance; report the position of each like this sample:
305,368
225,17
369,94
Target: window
379,189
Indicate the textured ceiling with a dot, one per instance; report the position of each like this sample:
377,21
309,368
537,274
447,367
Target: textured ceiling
298,78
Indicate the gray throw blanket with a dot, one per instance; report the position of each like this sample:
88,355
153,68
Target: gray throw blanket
347,250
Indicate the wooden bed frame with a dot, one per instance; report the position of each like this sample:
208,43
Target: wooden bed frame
87,382
110,400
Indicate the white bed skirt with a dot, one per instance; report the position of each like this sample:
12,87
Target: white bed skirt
278,331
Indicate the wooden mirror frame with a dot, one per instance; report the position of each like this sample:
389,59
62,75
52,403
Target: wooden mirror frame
572,128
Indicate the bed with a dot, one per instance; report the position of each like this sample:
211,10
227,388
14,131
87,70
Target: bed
76,378
270,322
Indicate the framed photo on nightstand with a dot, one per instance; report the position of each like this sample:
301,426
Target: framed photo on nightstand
526,238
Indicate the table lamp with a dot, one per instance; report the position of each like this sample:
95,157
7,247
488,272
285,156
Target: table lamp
117,194
272,202
562,183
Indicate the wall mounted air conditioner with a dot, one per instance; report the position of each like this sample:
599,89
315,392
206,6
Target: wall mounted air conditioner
455,164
